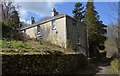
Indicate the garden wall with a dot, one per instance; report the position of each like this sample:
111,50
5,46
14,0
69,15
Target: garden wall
43,64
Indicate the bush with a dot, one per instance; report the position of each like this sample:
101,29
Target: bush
18,44
14,46
43,64
114,66
10,33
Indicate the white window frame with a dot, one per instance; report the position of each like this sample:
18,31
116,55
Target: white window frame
53,25
38,28
39,36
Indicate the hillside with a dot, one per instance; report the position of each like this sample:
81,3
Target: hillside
33,47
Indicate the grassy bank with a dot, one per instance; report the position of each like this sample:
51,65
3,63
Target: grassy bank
35,47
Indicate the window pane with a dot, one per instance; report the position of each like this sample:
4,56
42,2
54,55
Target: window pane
53,24
38,28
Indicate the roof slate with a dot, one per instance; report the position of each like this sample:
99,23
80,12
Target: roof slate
44,20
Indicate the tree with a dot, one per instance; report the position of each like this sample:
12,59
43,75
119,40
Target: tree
10,15
10,23
96,30
7,9
78,11
111,44
15,20
114,29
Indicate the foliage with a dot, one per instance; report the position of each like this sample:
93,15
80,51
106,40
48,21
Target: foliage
96,29
10,21
30,46
18,44
43,64
78,11
114,66
9,12
9,33
6,30
15,20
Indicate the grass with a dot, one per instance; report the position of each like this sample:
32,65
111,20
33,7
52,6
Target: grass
14,46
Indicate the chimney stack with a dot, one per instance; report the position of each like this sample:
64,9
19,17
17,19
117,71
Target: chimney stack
32,20
54,12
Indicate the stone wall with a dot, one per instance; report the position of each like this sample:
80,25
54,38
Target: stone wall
56,36
65,35
43,64
32,32
76,31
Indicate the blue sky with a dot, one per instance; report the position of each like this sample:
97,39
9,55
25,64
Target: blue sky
105,10
43,9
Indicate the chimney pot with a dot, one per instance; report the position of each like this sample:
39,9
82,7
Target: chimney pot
32,20
54,12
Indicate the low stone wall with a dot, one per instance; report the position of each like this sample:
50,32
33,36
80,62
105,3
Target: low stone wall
43,64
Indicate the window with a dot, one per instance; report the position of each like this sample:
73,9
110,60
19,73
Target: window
53,24
39,36
78,41
38,28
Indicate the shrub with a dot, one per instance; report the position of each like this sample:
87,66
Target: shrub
43,64
18,44
5,44
21,45
31,46
12,45
114,66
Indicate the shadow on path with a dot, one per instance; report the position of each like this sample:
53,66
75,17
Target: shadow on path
98,66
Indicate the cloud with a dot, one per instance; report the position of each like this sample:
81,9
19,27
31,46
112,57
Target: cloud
40,9
25,21
64,0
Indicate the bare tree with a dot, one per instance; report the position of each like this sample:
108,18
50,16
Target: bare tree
115,26
7,9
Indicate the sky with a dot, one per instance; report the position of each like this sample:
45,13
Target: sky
43,9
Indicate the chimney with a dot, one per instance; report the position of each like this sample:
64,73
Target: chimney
32,20
54,12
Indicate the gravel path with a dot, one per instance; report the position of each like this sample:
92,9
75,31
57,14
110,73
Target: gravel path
103,70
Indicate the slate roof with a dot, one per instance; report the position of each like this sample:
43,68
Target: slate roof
44,20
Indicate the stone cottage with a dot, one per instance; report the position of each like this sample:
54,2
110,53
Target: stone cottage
59,29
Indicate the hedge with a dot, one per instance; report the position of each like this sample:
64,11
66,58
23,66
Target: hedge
43,64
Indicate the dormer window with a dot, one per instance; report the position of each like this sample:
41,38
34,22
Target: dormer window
53,24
